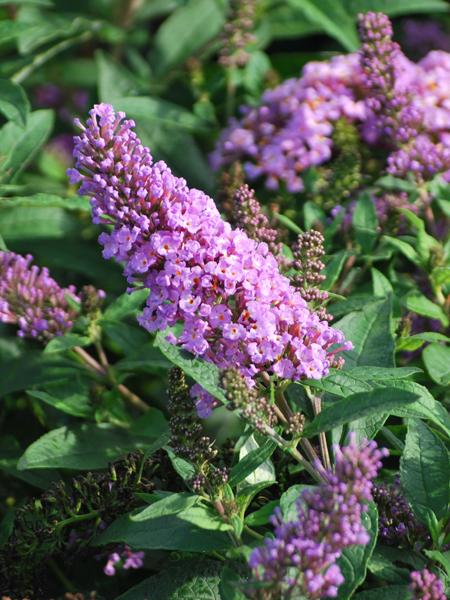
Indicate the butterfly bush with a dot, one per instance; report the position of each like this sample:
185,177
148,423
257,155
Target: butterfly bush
31,299
398,106
303,553
226,289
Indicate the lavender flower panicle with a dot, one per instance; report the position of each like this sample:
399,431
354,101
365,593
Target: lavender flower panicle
236,307
397,105
32,300
426,586
303,553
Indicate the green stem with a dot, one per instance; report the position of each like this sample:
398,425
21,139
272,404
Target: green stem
41,59
393,439
77,519
253,533
68,585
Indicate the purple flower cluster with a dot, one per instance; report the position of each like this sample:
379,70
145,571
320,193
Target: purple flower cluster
226,289
291,130
126,559
32,300
426,586
399,106
303,553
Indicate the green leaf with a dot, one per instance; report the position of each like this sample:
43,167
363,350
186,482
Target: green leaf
188,579
144,359
288,223
170,505
413,342
14,103
250,463
382,287
393,592
332,17
437,361
424,471
333,268
84,447
126,305
194,529
230,584
21,144
155,111
357,406
20,223
262,515
186,31
369,329
114,80
399,7
288,501
426,407
421,305
71,397
34,369
66,342
403,247
206,374
75,203
441,557
353,562
365,223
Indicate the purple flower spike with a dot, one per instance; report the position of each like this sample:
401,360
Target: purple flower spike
31,299
303,553
226,289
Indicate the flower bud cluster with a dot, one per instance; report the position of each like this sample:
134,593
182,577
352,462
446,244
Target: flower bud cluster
32,300
302,556
249,216
188,439
238,34
255,408
396,521
236,308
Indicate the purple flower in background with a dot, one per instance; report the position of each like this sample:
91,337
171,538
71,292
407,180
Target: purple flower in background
32,300
398,106
124,559
420,36
304,552
426,586
226,289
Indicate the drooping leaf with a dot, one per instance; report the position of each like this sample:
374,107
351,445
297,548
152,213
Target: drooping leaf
424,471
83,447
194,529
